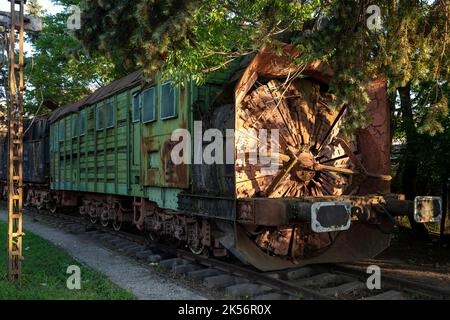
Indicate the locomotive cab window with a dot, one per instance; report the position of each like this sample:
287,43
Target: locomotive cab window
168,101
82,122
99,118
136,112
110,115
74,125
148,105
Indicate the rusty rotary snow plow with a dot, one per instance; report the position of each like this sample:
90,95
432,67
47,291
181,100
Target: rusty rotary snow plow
325,195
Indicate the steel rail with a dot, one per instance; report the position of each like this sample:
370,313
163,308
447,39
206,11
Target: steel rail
264,278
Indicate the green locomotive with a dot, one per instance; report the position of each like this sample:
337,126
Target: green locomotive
111,155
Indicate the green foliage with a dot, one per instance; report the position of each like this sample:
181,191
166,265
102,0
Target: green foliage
186,38
34,8
433,126
426,133
59,71
410,47
44,274
190,38
432,108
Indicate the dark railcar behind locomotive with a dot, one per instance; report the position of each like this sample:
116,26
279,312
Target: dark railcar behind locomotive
36,156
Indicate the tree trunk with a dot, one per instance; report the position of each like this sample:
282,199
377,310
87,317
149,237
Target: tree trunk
444,208
409,176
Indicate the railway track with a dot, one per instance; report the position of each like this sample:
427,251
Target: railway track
234,281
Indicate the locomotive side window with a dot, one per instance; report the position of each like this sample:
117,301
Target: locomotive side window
110,114
74,125
148,105
82,122
61,131
136,108
57,138
99,118
168,101
54,138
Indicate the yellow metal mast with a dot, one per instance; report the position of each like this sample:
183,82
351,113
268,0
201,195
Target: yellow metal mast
15,172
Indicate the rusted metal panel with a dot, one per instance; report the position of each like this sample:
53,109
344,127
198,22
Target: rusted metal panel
215,179
166,173
287,211
347,246
209,206
157,168
374,141
266,64
175,175
150,176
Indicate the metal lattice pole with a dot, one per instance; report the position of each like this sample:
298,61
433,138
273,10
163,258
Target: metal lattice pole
15,185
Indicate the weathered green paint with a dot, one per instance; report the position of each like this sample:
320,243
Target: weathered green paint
128,158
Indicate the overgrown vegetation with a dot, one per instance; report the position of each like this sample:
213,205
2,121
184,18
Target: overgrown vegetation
44,274
58,70
190,38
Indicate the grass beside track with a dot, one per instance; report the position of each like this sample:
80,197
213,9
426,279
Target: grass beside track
44,274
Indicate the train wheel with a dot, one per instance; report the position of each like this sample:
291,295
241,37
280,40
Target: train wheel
52,207
117,224
93,219
152,237
198,249
29,197
104,217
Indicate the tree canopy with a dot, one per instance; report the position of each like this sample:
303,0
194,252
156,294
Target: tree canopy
189,38
58,70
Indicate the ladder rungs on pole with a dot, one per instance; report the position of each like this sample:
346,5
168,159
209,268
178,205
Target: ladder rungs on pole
15,112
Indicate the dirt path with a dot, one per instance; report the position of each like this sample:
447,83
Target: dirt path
126,273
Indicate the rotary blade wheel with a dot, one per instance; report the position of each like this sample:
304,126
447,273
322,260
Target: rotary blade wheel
312,160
